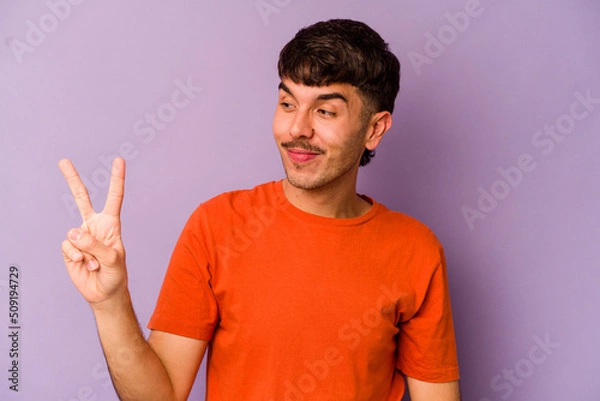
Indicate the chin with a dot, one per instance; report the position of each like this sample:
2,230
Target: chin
309,183
300,183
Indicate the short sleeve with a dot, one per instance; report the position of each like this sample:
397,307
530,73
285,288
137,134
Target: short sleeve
426,342
186,304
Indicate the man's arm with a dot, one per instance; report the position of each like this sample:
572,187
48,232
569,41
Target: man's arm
163,368
424,391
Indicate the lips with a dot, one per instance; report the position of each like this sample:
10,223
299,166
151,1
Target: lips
301,155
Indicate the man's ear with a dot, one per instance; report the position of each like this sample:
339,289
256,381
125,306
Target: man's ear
380,123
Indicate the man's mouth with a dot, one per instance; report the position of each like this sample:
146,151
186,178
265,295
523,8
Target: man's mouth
301,155
301,152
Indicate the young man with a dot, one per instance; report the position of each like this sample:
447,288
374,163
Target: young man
301,289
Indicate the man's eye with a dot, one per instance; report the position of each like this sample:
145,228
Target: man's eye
326,113
286,105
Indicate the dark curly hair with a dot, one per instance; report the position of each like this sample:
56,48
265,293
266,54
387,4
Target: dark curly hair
344,51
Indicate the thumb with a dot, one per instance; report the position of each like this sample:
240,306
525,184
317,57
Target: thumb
87,243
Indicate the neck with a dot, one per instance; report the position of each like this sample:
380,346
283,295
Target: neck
331,201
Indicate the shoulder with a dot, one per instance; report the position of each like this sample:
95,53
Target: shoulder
401,222
244,198
237,203
406,232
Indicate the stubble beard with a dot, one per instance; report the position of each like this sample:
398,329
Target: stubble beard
321,179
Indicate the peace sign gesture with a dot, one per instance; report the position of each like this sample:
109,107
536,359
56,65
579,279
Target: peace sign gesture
94,252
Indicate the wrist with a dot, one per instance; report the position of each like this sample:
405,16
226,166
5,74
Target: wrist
119,301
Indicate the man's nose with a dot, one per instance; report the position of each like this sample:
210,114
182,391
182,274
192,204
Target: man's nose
302,125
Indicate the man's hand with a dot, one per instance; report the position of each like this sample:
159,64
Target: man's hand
95,258
94,253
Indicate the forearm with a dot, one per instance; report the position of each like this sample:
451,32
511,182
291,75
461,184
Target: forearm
425,391
136,371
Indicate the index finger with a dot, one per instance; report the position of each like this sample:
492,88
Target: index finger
78,189
114,199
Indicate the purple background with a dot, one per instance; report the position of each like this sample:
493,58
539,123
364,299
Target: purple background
526,273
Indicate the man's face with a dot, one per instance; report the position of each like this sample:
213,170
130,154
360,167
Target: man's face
319,133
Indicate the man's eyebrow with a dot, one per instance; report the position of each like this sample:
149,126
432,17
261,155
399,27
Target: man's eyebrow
284,88
332,95
323,96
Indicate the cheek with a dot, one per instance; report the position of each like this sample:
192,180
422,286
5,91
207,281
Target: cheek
277,131
279,124
351,147
330,132
338,137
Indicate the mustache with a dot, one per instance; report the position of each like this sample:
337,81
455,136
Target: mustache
302,145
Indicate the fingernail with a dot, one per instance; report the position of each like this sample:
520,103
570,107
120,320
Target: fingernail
75,234
92,264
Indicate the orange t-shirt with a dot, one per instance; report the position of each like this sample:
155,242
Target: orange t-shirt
304,307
